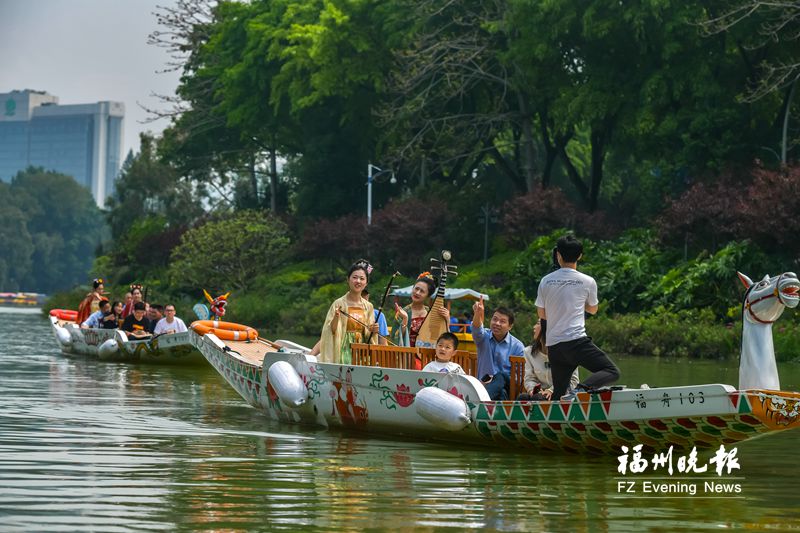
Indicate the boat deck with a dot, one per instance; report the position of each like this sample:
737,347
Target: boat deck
252,352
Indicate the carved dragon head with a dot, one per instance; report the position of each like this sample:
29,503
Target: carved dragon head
217,305
765,301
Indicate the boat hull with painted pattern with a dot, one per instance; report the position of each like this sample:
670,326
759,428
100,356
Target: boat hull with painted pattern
381,401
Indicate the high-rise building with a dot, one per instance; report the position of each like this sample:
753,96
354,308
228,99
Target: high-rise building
80,140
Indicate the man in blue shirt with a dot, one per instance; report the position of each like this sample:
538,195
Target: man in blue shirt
495,346
95,320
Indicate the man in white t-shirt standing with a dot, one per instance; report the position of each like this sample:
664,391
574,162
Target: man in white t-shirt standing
562,299
170,323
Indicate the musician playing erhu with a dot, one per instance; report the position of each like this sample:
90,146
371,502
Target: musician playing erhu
350,318
409,319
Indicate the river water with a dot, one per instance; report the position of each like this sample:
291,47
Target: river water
90,446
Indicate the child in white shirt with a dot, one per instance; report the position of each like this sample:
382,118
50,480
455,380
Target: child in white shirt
446,346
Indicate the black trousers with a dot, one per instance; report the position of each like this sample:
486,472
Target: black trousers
565,357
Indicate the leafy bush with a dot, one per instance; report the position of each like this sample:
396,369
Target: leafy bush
402,234
625,267
706,281
405,232
341,240
761,206
144,250
64,300
771,209
229,254
693,333
545,210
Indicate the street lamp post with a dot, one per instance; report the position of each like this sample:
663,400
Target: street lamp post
370,177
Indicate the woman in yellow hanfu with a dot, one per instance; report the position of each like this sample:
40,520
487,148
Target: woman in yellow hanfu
340,330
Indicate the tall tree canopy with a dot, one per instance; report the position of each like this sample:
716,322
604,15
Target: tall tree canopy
51,228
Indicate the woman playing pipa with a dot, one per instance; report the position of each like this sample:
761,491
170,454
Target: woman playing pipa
410,319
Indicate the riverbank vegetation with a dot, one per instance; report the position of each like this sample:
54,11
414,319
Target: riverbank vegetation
663,134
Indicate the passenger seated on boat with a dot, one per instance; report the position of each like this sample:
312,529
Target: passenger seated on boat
116,313
349,319
495,346
95,320
408,320
455,324
170,323
461,324
137,324
128,301
446,346
155,313
538,381
380,318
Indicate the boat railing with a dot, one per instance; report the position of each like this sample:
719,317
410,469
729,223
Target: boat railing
403,357
517,385
383,356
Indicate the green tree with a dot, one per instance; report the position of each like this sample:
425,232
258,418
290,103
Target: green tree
230,253
147,187
293,78
16,243
57,227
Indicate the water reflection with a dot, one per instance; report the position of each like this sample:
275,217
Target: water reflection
112,447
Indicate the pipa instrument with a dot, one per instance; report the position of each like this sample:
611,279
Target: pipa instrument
434,324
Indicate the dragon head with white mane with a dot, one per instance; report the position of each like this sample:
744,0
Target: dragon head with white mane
763,304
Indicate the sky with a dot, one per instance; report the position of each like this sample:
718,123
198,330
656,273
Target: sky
85,51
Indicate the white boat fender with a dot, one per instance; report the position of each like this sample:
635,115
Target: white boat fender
63,335
108,348
442,409
288,384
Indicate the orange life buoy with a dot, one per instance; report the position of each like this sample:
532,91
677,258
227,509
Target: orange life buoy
228,331
64,314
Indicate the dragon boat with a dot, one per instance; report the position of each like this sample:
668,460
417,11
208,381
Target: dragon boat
379,393
115,345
